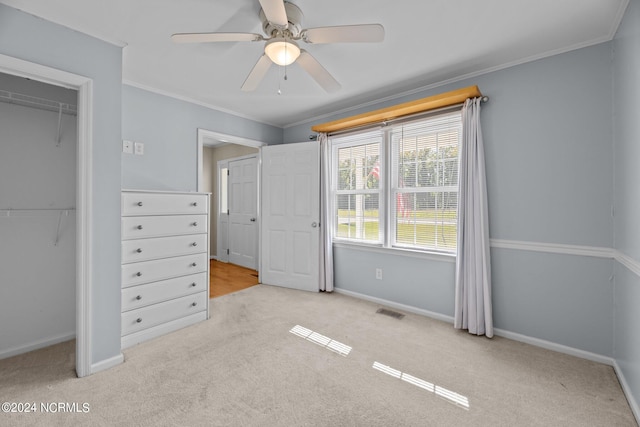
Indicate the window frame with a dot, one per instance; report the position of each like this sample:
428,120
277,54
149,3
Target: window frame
381,192
387,214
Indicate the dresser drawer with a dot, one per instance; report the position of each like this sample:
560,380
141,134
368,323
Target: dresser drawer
162,247
139,227
146,317
152,293
163,204
151,271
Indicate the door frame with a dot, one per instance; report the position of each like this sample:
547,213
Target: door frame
209,138
84,173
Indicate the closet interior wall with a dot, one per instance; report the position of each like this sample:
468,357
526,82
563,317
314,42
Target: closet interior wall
38,149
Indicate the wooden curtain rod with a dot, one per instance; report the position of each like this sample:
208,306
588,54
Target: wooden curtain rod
412,107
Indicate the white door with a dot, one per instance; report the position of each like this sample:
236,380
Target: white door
243,213
291,216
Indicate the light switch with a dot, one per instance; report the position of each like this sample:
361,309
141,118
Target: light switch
139,148
127,146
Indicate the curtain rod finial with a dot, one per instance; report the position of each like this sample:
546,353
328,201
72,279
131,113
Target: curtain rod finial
485,98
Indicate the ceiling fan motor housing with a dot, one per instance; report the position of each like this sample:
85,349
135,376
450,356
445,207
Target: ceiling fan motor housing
294,16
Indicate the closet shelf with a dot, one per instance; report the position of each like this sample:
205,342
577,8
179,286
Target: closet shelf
30,213
35,102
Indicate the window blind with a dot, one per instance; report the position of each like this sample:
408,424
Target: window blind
424,182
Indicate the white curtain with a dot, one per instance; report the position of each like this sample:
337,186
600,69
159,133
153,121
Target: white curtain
473,263
326,247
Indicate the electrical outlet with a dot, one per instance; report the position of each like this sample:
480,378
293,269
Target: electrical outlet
127,146
138,148
379,273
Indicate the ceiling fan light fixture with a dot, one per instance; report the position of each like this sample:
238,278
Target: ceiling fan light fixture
282,51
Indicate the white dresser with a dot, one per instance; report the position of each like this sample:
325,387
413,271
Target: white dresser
165,262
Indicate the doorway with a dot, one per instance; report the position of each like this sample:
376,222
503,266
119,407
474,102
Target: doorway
83,215
228,168
37,214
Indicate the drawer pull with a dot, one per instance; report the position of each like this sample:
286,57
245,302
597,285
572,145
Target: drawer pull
139,227
139,297
194,244
139,320
193,264
139,250
194,204
138,274
194,224
193,304
193,285
139,203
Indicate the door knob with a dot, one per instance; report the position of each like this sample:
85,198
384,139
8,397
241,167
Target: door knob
314,224
252,220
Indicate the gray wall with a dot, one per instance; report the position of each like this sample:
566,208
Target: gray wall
32,39
168,127
627,196
548,146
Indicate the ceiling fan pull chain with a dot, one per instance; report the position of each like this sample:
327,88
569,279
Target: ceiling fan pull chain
285,64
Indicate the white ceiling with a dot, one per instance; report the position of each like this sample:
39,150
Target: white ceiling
427,42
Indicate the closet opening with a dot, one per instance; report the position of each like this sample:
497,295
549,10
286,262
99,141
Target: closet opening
38,223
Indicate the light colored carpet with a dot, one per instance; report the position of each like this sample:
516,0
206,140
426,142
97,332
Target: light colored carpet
244,367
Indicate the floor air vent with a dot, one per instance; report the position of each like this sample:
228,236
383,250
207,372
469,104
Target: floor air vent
390,313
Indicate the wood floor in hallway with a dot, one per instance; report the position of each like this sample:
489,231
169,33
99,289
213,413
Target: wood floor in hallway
226,278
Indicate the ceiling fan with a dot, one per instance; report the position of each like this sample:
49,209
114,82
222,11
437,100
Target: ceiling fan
281,22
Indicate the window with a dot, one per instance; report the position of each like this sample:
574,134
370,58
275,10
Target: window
224,172
358,190
398,186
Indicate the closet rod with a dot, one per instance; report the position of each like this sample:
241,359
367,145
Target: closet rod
35,102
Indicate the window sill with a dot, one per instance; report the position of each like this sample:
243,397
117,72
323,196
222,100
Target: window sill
434,256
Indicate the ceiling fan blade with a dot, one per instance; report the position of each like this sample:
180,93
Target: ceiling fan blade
257,74
215,37
275,12
317,71
345,34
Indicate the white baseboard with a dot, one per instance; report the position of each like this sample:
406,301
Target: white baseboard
25,348
403,307
500,332
107,363
606,360
627,391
